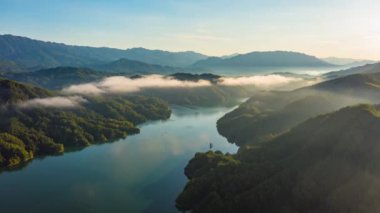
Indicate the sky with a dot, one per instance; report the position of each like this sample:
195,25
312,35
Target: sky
341,28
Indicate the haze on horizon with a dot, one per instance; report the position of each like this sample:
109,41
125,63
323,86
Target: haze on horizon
341,28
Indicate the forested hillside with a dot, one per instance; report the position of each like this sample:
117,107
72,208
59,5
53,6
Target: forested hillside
35,121
270,113
326,164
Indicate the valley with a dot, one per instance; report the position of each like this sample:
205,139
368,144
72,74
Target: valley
100,129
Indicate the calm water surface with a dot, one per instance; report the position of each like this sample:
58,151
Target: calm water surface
143,173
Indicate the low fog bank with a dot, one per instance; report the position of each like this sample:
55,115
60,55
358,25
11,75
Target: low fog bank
269,82
121,84
56,102
220,90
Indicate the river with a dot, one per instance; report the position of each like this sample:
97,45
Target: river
142,173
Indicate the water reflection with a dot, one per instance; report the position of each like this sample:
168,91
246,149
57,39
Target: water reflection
142,173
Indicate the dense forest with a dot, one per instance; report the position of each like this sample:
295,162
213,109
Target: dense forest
326,164
56,78
28,129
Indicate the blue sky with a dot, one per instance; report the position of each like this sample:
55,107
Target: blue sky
344,28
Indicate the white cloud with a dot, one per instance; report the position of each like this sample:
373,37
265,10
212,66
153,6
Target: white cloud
53,102
121,84
86,89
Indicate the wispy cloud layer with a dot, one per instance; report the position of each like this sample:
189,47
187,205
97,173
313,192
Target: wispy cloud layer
53,102
121,84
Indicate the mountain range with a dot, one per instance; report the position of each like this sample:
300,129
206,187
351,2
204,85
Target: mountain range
368,68
128,66
348,61
35,54
263,59
24,54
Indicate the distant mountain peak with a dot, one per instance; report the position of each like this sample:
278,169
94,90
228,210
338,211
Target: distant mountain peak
347,61
276,58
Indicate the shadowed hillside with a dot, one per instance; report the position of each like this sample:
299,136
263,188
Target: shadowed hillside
322,165
268,114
